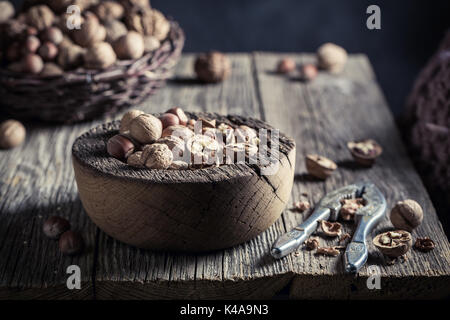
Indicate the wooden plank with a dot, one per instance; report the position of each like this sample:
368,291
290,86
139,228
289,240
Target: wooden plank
322,116
36,182
244,271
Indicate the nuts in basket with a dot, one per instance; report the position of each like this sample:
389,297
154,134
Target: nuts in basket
79,41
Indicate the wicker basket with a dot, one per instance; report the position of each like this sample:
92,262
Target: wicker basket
82,95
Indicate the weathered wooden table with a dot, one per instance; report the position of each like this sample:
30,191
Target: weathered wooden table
36,181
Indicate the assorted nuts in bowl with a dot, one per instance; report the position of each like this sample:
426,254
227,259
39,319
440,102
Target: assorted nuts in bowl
193,182
106,56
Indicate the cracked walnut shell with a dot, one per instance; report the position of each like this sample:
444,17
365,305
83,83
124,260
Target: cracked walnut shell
393,243
319,167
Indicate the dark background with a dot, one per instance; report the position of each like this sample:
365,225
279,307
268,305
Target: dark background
410,31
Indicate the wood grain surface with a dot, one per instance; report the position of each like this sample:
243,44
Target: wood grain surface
36,181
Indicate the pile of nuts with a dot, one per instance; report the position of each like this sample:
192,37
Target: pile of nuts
57,228
330,57
45,40
173,141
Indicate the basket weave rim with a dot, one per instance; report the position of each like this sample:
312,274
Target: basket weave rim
87,75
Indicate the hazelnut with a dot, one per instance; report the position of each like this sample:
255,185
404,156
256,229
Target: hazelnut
424,244
129,46
350,207
146,128
406,215
330,229
332,57
12,134
48,51
120,147
157,156
32,44
51,70
180,114
319,167
151,43
100,56
127,118
32,31
169,119
53,35
286,65
40,17
212,67
54,227
71,243
109,10
365,152
393,243
6,11
70,56
312,243
135,160
309,72
179,165
114,30
91,31
32,63
179,131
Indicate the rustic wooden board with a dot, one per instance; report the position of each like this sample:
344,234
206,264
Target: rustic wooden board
36,181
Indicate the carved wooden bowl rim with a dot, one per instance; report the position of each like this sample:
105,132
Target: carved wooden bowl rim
89,150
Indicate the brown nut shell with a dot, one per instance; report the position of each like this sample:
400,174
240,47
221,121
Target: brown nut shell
12,134
212,67
406,215
286,65
71,243
365,152
169,119
120,147
393,243
330,229
157,156
180,114
127,118
319,167
54,227
146,128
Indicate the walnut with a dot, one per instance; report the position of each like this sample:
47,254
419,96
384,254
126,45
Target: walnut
70,55
135,160
129,46
135,4
151,43
51,70
407,215
393,243
146,128
60,6
114,30
365,152
109,10
212,67
6,11
157,156
100,56
40,17
149,23
350,207
319,167
175,144
12,134
91,31
312,243
332,57
424,244
127,118
330,229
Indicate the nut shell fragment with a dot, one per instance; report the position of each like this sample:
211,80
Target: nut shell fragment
319,167
424,244
330,229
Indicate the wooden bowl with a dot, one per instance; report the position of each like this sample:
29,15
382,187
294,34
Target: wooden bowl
180,210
